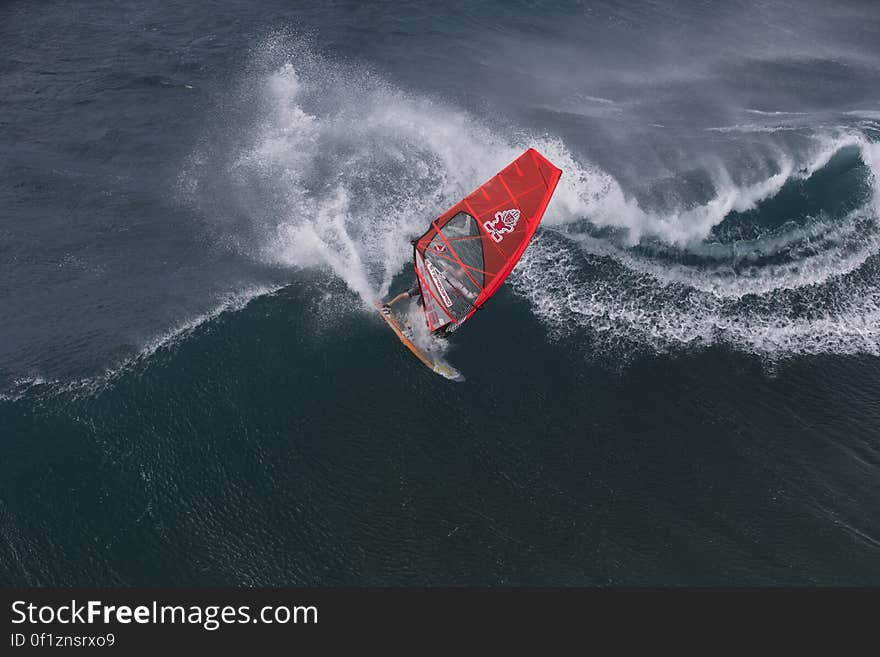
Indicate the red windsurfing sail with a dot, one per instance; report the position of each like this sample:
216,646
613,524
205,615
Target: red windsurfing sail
470,249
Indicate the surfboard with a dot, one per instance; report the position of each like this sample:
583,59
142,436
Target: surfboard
404,334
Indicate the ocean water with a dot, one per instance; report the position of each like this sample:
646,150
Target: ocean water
679,385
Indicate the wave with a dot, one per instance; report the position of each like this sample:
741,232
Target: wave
755,127
37,386
774,112
824,299
624,311
339,169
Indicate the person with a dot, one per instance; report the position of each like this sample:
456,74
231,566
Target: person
413,292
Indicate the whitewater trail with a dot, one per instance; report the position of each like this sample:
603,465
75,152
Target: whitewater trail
824,299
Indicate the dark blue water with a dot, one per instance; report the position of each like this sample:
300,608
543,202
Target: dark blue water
679,384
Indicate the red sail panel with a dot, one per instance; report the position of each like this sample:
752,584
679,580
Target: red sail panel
469,250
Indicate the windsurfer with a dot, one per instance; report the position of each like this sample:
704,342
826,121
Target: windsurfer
412,292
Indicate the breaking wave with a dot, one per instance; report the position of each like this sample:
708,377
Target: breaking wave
810,286
37,386
336,169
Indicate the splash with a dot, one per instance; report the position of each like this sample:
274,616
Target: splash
347,175
336,170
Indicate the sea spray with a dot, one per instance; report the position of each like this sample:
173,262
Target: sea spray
349,168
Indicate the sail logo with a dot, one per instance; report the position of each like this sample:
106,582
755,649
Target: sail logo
504,222
435,277
439,248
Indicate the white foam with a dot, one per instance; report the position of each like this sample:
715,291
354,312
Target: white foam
774,113
754,127
865,114
637,301
388,162
625,310
818,252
